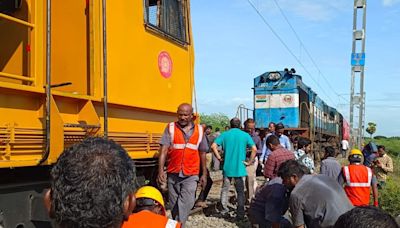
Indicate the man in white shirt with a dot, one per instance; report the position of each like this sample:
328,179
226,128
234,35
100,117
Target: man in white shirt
345,147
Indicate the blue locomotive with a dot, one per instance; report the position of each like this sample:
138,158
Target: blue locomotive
282,97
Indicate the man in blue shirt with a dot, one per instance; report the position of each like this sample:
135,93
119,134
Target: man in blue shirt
370,153
278,130
234,144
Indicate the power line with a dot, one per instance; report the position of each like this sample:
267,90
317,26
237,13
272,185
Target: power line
287,48
306,50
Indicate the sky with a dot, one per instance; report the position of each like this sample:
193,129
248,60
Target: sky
233,45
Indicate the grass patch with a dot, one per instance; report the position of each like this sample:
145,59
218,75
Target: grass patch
389,196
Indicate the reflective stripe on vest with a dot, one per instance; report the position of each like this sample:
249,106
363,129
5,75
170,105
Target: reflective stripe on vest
187,145
357,184
183,146
171,224
172,130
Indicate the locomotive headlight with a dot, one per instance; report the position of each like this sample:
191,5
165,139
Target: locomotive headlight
274,76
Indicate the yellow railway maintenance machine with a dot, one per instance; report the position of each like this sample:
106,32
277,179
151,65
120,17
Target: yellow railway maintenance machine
80,68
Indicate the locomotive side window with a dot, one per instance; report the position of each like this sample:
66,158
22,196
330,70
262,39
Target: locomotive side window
168,17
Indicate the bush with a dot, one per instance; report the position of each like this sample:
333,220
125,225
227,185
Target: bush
389,198
380,137
219,120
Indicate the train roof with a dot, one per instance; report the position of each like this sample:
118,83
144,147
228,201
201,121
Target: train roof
287,80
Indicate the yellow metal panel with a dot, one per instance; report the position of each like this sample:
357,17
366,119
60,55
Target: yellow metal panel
14,56
143,155
134,77
96,49
68,109
141,100
138,120
38,51
56,133
21,110
70,59
19,163
88,114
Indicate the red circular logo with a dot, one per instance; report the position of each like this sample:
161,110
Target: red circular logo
165,64
288,99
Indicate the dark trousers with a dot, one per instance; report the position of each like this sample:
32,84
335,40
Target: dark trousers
204,193
344,152
239,185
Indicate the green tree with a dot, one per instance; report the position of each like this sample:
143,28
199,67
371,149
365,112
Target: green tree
219,120
371,128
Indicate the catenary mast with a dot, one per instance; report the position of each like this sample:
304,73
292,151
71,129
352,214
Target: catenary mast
357,93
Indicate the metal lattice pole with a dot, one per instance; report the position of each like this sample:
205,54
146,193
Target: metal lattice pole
357,94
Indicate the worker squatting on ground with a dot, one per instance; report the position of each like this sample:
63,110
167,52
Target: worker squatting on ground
315,200
358,180
149,211
269,205
184,145
92,185
234,143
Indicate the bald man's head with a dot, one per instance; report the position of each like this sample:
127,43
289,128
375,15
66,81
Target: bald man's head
185,106
185,114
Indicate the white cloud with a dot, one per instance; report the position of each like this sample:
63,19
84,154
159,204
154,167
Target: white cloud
390,2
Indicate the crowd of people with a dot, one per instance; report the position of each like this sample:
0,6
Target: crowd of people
94,182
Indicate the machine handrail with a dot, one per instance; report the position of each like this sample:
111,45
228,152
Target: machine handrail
16,20
15,76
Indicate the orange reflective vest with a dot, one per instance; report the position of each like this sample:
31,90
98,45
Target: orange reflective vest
358,182
184,156
145,219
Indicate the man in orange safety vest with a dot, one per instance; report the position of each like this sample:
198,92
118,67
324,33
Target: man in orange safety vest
358,180
183,148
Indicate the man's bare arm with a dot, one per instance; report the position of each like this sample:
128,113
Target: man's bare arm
214,148
375,193
161,163
252,156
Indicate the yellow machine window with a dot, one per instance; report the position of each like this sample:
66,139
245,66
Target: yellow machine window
167,17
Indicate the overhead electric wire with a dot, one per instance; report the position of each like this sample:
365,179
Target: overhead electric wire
287,48
306,50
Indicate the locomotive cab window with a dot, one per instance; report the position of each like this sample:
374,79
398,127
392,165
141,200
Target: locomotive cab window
168,17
